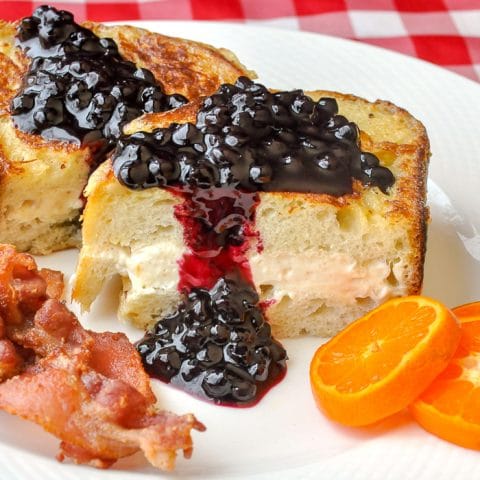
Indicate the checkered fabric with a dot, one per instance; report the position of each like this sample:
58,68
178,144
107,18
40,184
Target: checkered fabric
445,32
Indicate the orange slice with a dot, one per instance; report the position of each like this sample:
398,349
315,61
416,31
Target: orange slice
469,311
380,363
450,407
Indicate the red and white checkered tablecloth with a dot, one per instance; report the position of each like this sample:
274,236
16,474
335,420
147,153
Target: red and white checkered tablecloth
445,32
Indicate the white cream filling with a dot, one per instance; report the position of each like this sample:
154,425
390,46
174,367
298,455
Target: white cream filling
337,277
150,268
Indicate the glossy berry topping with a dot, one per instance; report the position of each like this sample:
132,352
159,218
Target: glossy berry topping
78,87
249,138
217,345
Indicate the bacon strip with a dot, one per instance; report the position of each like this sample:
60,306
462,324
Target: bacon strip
87,388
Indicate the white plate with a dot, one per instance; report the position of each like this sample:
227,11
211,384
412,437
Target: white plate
285,436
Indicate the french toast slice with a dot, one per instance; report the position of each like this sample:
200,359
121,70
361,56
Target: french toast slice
41,181
322,260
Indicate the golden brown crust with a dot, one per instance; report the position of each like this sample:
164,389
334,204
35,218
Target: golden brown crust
190,68
13,65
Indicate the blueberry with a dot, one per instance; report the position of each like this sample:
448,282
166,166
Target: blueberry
227,90
28,29
22,104
369,160
185,134
168,168
326,162
238,352
109,46
143,74
348,132
264,332
210,355
190,371
259,370
234,140
243,391
54,111
215,384
277,353
219,333
261,173
244,83
286,99
40,119
302,106
328,105
161,136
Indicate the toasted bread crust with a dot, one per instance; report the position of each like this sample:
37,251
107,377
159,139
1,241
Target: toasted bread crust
190,68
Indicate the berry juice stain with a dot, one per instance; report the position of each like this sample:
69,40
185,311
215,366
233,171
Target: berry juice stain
218,344
218,226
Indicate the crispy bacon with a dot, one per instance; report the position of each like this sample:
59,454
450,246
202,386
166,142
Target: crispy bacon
54,281
10,361
87,388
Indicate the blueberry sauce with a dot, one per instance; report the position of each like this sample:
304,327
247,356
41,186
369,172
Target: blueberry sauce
78,87
217,345
248,138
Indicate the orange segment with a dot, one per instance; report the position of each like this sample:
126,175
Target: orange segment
380,363
450,407
467,311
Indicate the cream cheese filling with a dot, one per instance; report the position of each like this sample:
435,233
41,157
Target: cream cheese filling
338,277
